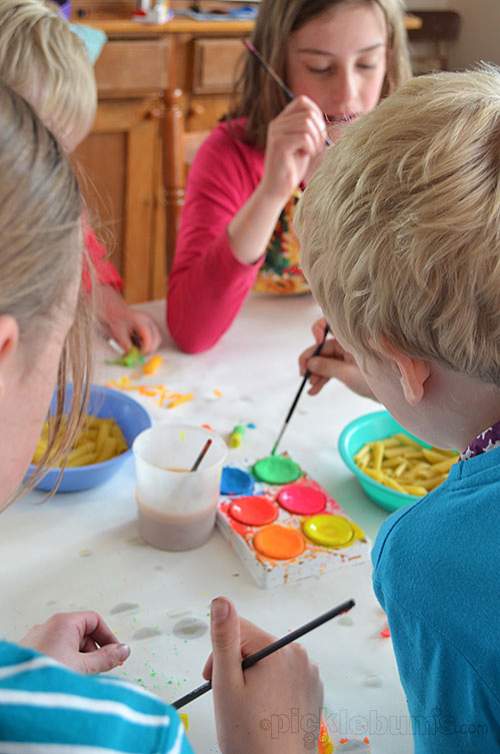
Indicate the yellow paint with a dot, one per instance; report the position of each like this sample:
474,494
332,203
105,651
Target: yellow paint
325,743
178,399
329,531
153,364
235,440
185,720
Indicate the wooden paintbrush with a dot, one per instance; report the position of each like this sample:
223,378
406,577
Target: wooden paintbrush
316,352
270,649
284,88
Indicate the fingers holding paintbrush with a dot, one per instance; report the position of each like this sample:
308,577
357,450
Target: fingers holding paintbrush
333,363
279,81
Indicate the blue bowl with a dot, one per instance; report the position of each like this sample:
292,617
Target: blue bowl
106,403
367,428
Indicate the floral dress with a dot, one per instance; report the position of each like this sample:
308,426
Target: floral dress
281,273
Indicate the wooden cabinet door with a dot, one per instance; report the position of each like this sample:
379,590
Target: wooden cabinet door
120,165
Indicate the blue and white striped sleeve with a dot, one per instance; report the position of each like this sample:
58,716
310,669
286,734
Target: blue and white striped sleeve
45,708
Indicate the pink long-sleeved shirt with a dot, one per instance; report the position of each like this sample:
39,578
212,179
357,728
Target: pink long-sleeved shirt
208,285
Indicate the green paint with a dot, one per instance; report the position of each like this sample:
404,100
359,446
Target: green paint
133,358
277,470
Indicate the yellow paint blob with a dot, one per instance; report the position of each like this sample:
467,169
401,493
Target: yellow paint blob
329,531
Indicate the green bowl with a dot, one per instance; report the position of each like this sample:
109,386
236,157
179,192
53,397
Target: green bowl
367,428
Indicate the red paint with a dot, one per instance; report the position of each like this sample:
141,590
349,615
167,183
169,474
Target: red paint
240,528
253,511
385,633
302,499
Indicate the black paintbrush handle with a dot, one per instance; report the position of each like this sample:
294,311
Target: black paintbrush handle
316,352
270,649
284,88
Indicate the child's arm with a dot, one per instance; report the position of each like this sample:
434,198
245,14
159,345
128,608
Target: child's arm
253,710
68,711
233,202
117,317
207,285
295,138
334,363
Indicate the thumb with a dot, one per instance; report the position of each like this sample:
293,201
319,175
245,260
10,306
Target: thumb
119,331
226,649
105,658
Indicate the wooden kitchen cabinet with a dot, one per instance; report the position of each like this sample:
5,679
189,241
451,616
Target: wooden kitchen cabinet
161,89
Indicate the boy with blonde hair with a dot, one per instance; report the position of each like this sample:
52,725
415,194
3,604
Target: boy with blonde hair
400,234
44,62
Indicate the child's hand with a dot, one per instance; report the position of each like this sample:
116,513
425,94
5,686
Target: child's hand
82,641
126,325
254,709
295,138
334,363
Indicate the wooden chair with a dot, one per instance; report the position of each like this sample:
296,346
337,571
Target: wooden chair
184,145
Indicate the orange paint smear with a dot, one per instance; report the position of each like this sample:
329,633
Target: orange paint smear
165,398
279,542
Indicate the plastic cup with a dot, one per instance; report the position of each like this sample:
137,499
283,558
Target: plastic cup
176,506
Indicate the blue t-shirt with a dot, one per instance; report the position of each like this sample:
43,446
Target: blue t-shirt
437,576
45,708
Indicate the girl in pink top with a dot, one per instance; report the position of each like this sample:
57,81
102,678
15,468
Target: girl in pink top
339,57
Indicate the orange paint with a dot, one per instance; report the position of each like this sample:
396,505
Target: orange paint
279,542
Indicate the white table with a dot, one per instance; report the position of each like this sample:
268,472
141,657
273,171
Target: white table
82,551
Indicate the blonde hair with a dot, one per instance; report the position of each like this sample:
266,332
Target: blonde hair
400,227
44,62
261,99
41,250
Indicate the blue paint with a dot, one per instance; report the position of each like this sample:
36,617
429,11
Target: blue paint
236,482
251,425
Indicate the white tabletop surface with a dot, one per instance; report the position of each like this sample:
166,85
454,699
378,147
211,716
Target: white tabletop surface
82,551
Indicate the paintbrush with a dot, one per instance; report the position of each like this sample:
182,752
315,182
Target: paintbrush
316,352
248,662
284,88
202,455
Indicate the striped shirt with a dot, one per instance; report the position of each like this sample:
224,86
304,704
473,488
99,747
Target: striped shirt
45,708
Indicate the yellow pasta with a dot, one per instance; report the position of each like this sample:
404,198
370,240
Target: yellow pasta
100,440
403,465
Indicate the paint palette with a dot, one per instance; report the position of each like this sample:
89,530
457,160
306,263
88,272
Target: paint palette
284,532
